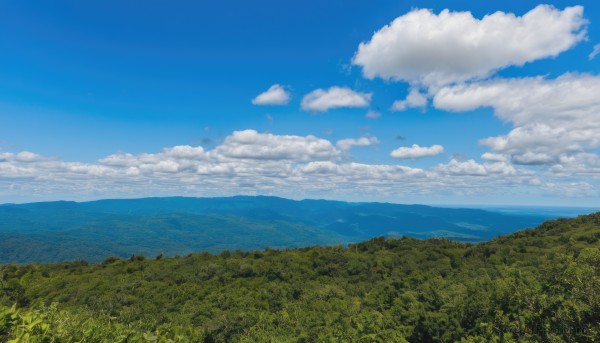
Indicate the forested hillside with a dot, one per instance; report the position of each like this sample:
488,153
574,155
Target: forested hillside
65,231
536,285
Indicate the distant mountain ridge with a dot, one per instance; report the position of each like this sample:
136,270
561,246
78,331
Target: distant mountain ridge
65,230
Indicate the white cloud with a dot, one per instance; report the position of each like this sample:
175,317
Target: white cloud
348,143
426,49
594,52
416,151
185,151
321,100
552,119
372,114
570,189
472,168
494,157
26,156
469,167
249,144
413,99
275,95
581,164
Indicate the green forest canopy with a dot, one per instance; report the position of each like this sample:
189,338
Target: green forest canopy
536,285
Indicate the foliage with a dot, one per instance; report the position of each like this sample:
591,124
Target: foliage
536,285
53,325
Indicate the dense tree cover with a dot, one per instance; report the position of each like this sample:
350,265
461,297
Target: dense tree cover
537,285
66,231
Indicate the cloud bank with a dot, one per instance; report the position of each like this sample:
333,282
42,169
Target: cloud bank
249,162
553,119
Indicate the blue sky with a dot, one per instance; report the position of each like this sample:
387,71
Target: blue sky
95,95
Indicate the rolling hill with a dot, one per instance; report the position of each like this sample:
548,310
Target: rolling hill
60,231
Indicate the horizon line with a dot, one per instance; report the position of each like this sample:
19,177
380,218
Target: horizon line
447,205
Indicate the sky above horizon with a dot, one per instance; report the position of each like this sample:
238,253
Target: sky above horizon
434,102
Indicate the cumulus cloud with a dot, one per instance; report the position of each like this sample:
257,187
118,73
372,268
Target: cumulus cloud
413,99
27,156
472,168
348,143
428,49
581,164
552,118
249,144
321,100
275,95
469,167
416,151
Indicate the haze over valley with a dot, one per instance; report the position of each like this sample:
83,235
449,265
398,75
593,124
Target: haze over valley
92,231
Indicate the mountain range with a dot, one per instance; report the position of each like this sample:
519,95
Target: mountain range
65,230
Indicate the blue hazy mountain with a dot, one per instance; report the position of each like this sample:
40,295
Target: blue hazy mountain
63,230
